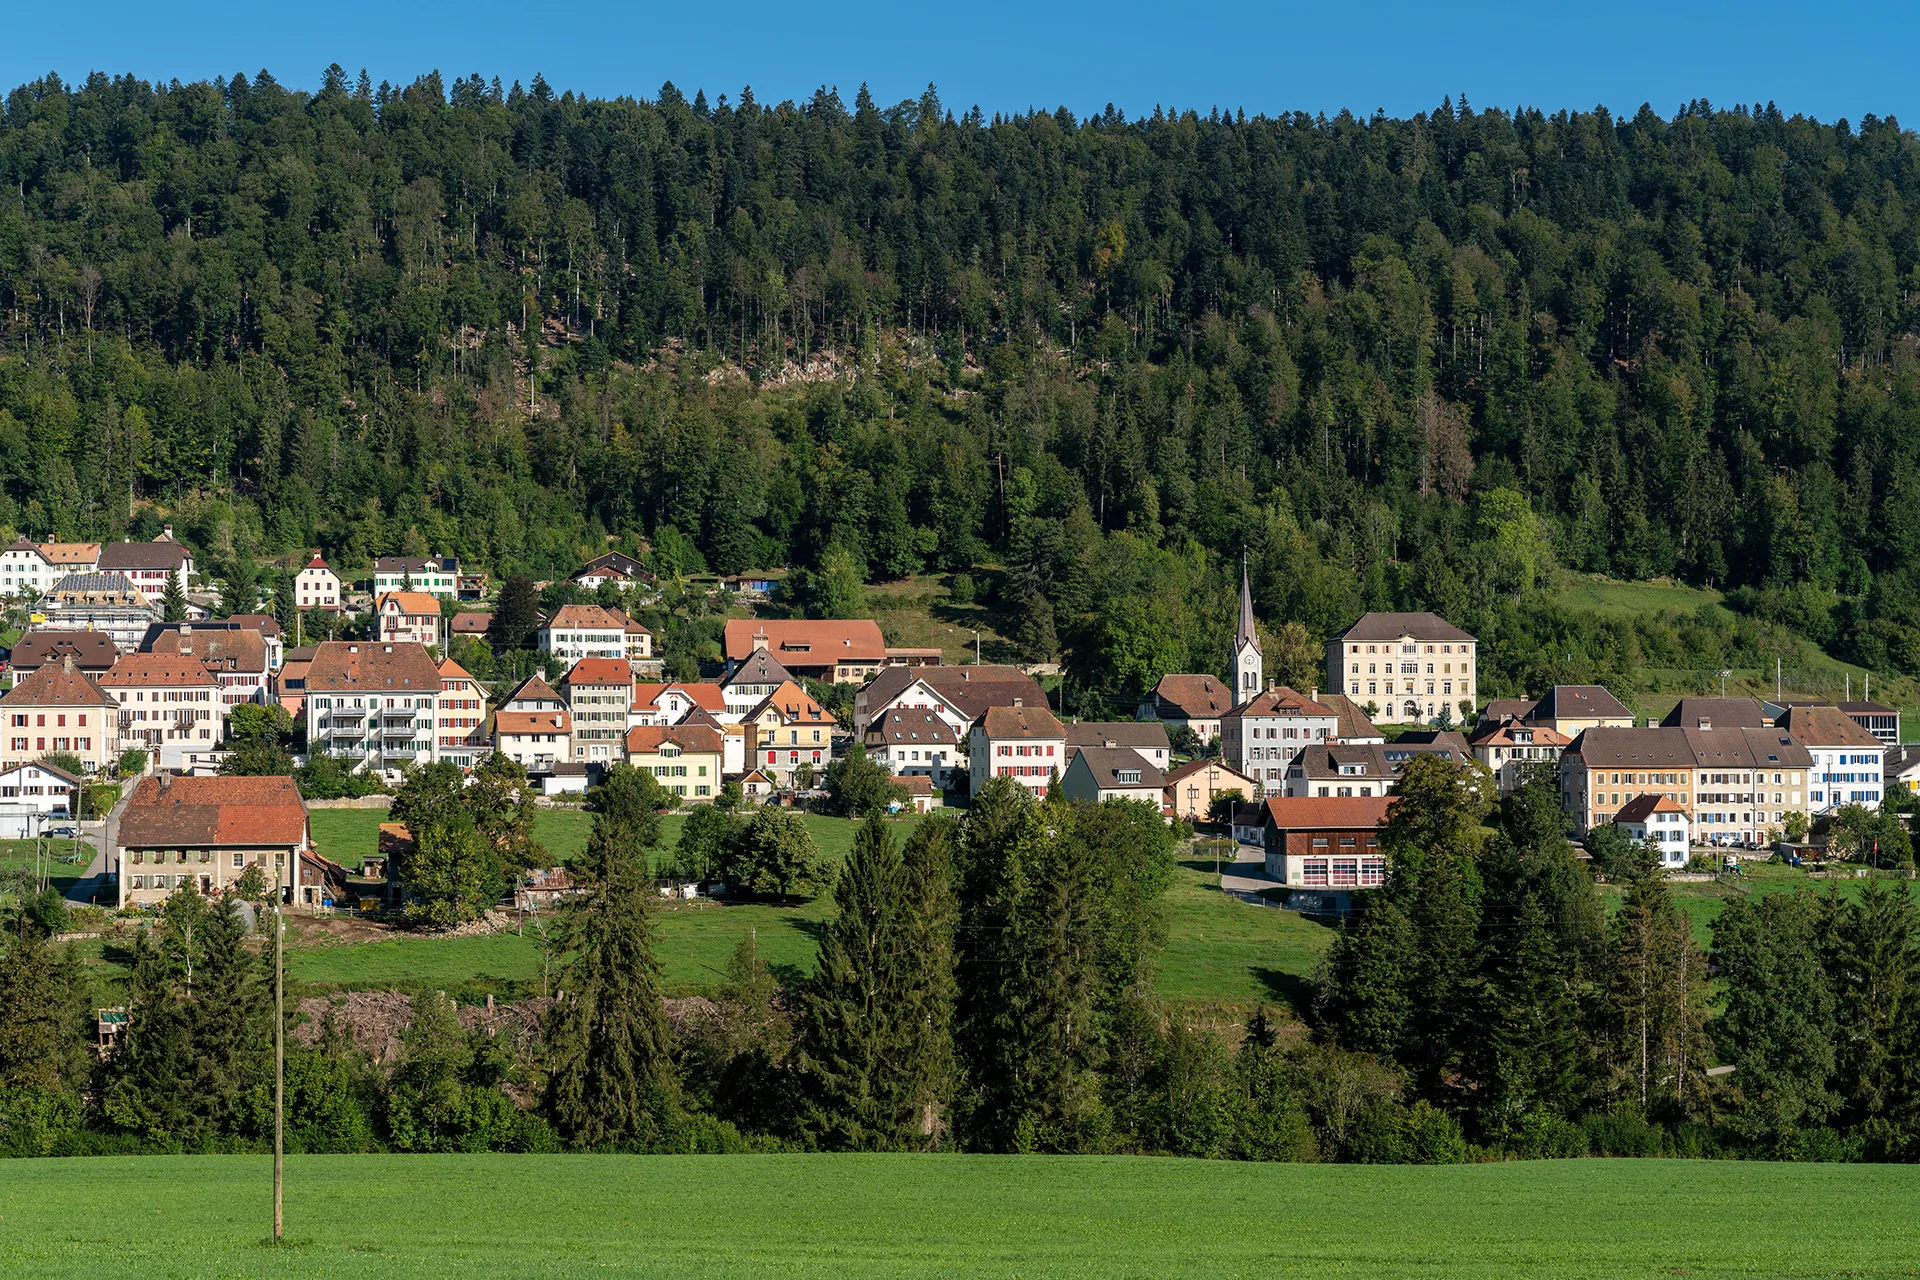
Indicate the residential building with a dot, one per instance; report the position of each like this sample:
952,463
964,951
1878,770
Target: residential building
289,684
1097,774
615,567
599,691
1516,752
733,739
534,727
470,586
921,795
1191,788
265,623
93,652
432,575
685,759
472,623
1715,713
1026,744
1148,737
758,785
1330,843
408,617
462,727
1572,709
672,703
317,586
1736,785
1847,759
34,795
165,700
1362,769
1261,736
789,729
59,710
1195,702
1654,819
71,557
25,572
584,631
106,602
958,695
831,650
208,832
747,685
237,659
1354,727
1409,665
916,742
148,566
1901,767
373,705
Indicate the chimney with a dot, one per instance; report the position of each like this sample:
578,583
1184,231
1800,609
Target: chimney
186,630
1315,695
166,533
66,661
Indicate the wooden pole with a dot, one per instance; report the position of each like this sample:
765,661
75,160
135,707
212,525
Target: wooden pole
279,1063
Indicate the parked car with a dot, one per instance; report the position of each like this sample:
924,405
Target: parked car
68,830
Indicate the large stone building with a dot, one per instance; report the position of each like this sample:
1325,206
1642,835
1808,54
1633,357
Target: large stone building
1737,786
208,832
1405,668
59,711
166,700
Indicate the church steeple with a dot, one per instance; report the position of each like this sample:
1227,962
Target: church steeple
1247,662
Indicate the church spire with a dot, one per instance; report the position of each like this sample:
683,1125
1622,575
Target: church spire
1248,634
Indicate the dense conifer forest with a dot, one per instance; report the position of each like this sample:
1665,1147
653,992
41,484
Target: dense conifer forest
1404,363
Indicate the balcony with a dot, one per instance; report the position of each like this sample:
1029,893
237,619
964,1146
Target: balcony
349,713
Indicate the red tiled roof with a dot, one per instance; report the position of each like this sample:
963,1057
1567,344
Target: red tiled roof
806,642
1640,808
93,650
1199,697
369,666
585,617
1192,767
170,812
599,671
532,722
701,694
219,650
144,670
1300,813
1283,701
55,686
794,705
1022,722
415,603
646,739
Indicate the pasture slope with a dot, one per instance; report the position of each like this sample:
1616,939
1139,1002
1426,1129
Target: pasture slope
863,1215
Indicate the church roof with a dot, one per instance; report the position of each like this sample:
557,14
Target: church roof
1248,634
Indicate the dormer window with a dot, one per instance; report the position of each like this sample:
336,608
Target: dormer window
1127,777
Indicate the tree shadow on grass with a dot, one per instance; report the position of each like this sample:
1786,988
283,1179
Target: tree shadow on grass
1289,989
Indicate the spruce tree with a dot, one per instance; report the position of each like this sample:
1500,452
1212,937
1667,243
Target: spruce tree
1868,951
1777,1029
611,1077
173,601
43,1017
854,1045
1653,1010
930,986
1527,1055
232,1026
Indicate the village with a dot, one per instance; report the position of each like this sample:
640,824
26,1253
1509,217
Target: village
102,687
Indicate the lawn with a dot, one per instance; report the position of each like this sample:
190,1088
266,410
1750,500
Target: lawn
1220,949
70,859
863,1215
1604,595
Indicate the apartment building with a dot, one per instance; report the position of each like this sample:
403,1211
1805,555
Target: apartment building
237,659
59,710
165,700
1848,760
599,692
373,705
463,717
1516,752
1405,667
958,695
1262,735
149,566
433,575
1027,744
578,631
1737,786
831,650
789,729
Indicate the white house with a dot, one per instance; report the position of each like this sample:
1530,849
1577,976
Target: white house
317,586
1147,737
1113,773
149,565
1848,760
372,705
1654,819
434,575
24,571
578,631
33,795
1262,735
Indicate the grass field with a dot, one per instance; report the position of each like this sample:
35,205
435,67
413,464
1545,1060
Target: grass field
814,1215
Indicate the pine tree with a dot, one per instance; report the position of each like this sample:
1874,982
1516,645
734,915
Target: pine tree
1868,951
43,1017
1653,1013
232,1026
611,1075
1527,1054
1777,1029
173,601
855,1040
1365,1001
929,986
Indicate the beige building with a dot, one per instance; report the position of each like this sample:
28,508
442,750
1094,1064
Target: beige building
207,833
1191,788
599,693
1736,785
789,729
165,699
238,659
685,759
1514,752
464,739
1404,667
410,617
58,710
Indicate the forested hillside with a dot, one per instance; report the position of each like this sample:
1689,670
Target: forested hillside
1403,363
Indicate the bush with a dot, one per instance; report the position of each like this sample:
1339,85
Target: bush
961,589
1623,1133
1550,1137
132,761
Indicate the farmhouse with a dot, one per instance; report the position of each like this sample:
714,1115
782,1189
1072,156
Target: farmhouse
207,832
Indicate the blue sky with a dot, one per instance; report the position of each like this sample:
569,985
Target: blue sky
1399,56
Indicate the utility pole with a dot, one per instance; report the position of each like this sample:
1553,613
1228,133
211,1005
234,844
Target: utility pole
279,1059
1776,679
